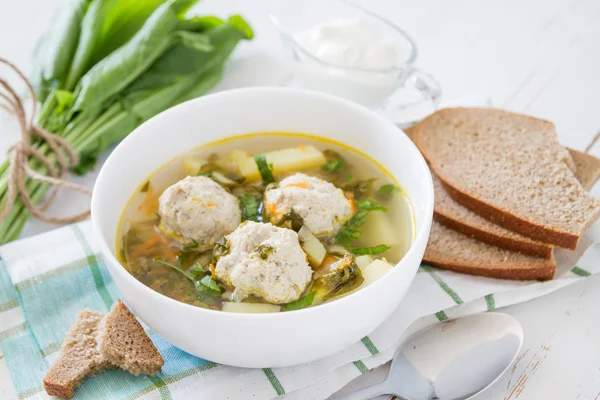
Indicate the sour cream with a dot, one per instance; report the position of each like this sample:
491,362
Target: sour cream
350,58
351,43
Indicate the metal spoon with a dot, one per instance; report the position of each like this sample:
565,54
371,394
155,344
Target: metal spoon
452,360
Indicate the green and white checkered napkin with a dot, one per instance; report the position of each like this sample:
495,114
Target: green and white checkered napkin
47,279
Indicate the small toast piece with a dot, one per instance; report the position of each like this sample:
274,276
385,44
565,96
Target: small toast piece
79,356
123,341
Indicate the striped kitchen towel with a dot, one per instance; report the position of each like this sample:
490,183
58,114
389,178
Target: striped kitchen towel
47,279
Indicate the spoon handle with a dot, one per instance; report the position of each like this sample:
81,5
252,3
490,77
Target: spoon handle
368,392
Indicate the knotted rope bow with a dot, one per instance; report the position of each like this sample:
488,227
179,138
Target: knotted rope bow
23,152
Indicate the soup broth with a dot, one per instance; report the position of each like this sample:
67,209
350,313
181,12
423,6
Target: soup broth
363,246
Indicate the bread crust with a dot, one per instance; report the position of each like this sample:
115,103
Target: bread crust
499,272
526,247
512,222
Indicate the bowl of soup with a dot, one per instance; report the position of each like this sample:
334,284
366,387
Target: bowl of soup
264,227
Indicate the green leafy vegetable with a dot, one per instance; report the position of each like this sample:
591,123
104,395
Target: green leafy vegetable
209,285
106,25
221,248
56,49
107,66
350,229
302,302
265,169
338,283
333,165
371,205
120,68
265,251
249,204
335,162
197,271
206,286
296,219
361,188
361,251
388,189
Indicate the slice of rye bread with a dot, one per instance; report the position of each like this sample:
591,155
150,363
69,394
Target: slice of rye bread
123,342
79,356
453,215
454,251
510,169
97,342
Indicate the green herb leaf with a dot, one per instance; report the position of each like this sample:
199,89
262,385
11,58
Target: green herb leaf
350,229
221,248
302,302
265,169
295,218
210,286
388,189
250,204
265,250
361,251
197,271
370,205
338,283
333,165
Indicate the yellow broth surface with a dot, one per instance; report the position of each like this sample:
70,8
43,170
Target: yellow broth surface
162,263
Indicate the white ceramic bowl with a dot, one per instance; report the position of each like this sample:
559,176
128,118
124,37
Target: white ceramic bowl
261,340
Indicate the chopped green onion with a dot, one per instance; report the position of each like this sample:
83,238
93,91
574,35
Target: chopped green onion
265,169
146,187
333,165
388,189
250,204
350,229
370,205
210,286
361,251
302,302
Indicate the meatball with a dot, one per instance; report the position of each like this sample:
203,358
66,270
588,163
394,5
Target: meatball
323,206
197,209
266,261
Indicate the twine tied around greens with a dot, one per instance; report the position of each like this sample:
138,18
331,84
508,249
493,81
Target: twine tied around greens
21,153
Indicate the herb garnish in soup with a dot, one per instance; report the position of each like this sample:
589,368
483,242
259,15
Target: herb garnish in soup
265,223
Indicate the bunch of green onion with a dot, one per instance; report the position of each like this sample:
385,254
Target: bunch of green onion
106,66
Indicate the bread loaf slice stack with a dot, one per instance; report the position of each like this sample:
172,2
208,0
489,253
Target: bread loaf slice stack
503,180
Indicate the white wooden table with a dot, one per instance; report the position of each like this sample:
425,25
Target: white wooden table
533,56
